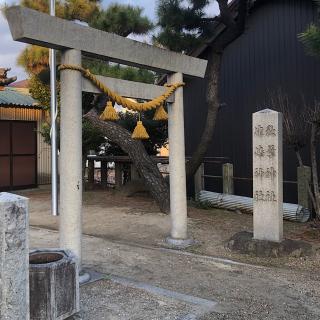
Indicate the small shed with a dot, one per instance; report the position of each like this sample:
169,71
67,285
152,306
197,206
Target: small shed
24,155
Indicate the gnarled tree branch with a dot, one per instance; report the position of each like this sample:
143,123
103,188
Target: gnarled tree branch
146,167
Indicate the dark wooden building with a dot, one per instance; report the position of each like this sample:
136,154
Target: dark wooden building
24,155
267,58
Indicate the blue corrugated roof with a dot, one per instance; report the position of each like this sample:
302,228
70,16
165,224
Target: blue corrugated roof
10,96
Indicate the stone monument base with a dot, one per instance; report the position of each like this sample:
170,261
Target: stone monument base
179,244
243,242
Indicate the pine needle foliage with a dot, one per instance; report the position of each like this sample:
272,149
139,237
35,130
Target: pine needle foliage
311,37
122,20
184,24
83,10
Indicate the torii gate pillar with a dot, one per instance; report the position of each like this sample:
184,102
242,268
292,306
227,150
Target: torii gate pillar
178,195
71,155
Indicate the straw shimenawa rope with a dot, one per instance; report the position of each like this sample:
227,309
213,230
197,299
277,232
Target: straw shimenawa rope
129,104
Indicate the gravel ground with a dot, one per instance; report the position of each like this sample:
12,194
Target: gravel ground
137,220
242,291
124,237
112,301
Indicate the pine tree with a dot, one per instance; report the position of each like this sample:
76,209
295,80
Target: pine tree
183,27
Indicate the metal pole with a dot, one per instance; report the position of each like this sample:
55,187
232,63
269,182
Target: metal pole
53,132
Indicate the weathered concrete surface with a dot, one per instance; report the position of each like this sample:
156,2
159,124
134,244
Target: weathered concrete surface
129,89
14,257
54,284
33,27
242,291
267,175
71,156
178,192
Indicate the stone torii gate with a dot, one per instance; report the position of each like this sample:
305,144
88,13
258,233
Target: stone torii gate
75,40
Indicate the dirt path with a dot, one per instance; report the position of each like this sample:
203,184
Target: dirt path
144,280
155,283
137,220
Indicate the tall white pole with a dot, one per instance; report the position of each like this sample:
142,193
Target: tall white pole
178,195
71,155
53,132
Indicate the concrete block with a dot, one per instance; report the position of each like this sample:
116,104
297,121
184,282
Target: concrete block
14,257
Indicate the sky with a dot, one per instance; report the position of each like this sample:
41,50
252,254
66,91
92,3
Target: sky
9,49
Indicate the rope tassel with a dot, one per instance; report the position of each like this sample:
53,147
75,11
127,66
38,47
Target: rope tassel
160,114
140,132
109,113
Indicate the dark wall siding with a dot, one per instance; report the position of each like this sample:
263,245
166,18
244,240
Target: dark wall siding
266,58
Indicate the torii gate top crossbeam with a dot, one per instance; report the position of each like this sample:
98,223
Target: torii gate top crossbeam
38,28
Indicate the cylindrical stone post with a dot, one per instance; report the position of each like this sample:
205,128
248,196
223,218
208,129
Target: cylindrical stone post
267,175
178,196
14,257
227,176
304,180
71,155
199,181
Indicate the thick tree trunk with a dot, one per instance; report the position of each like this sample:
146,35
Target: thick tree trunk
146,167
234,28
212,98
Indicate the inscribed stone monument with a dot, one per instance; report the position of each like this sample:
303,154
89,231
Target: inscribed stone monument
267,175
